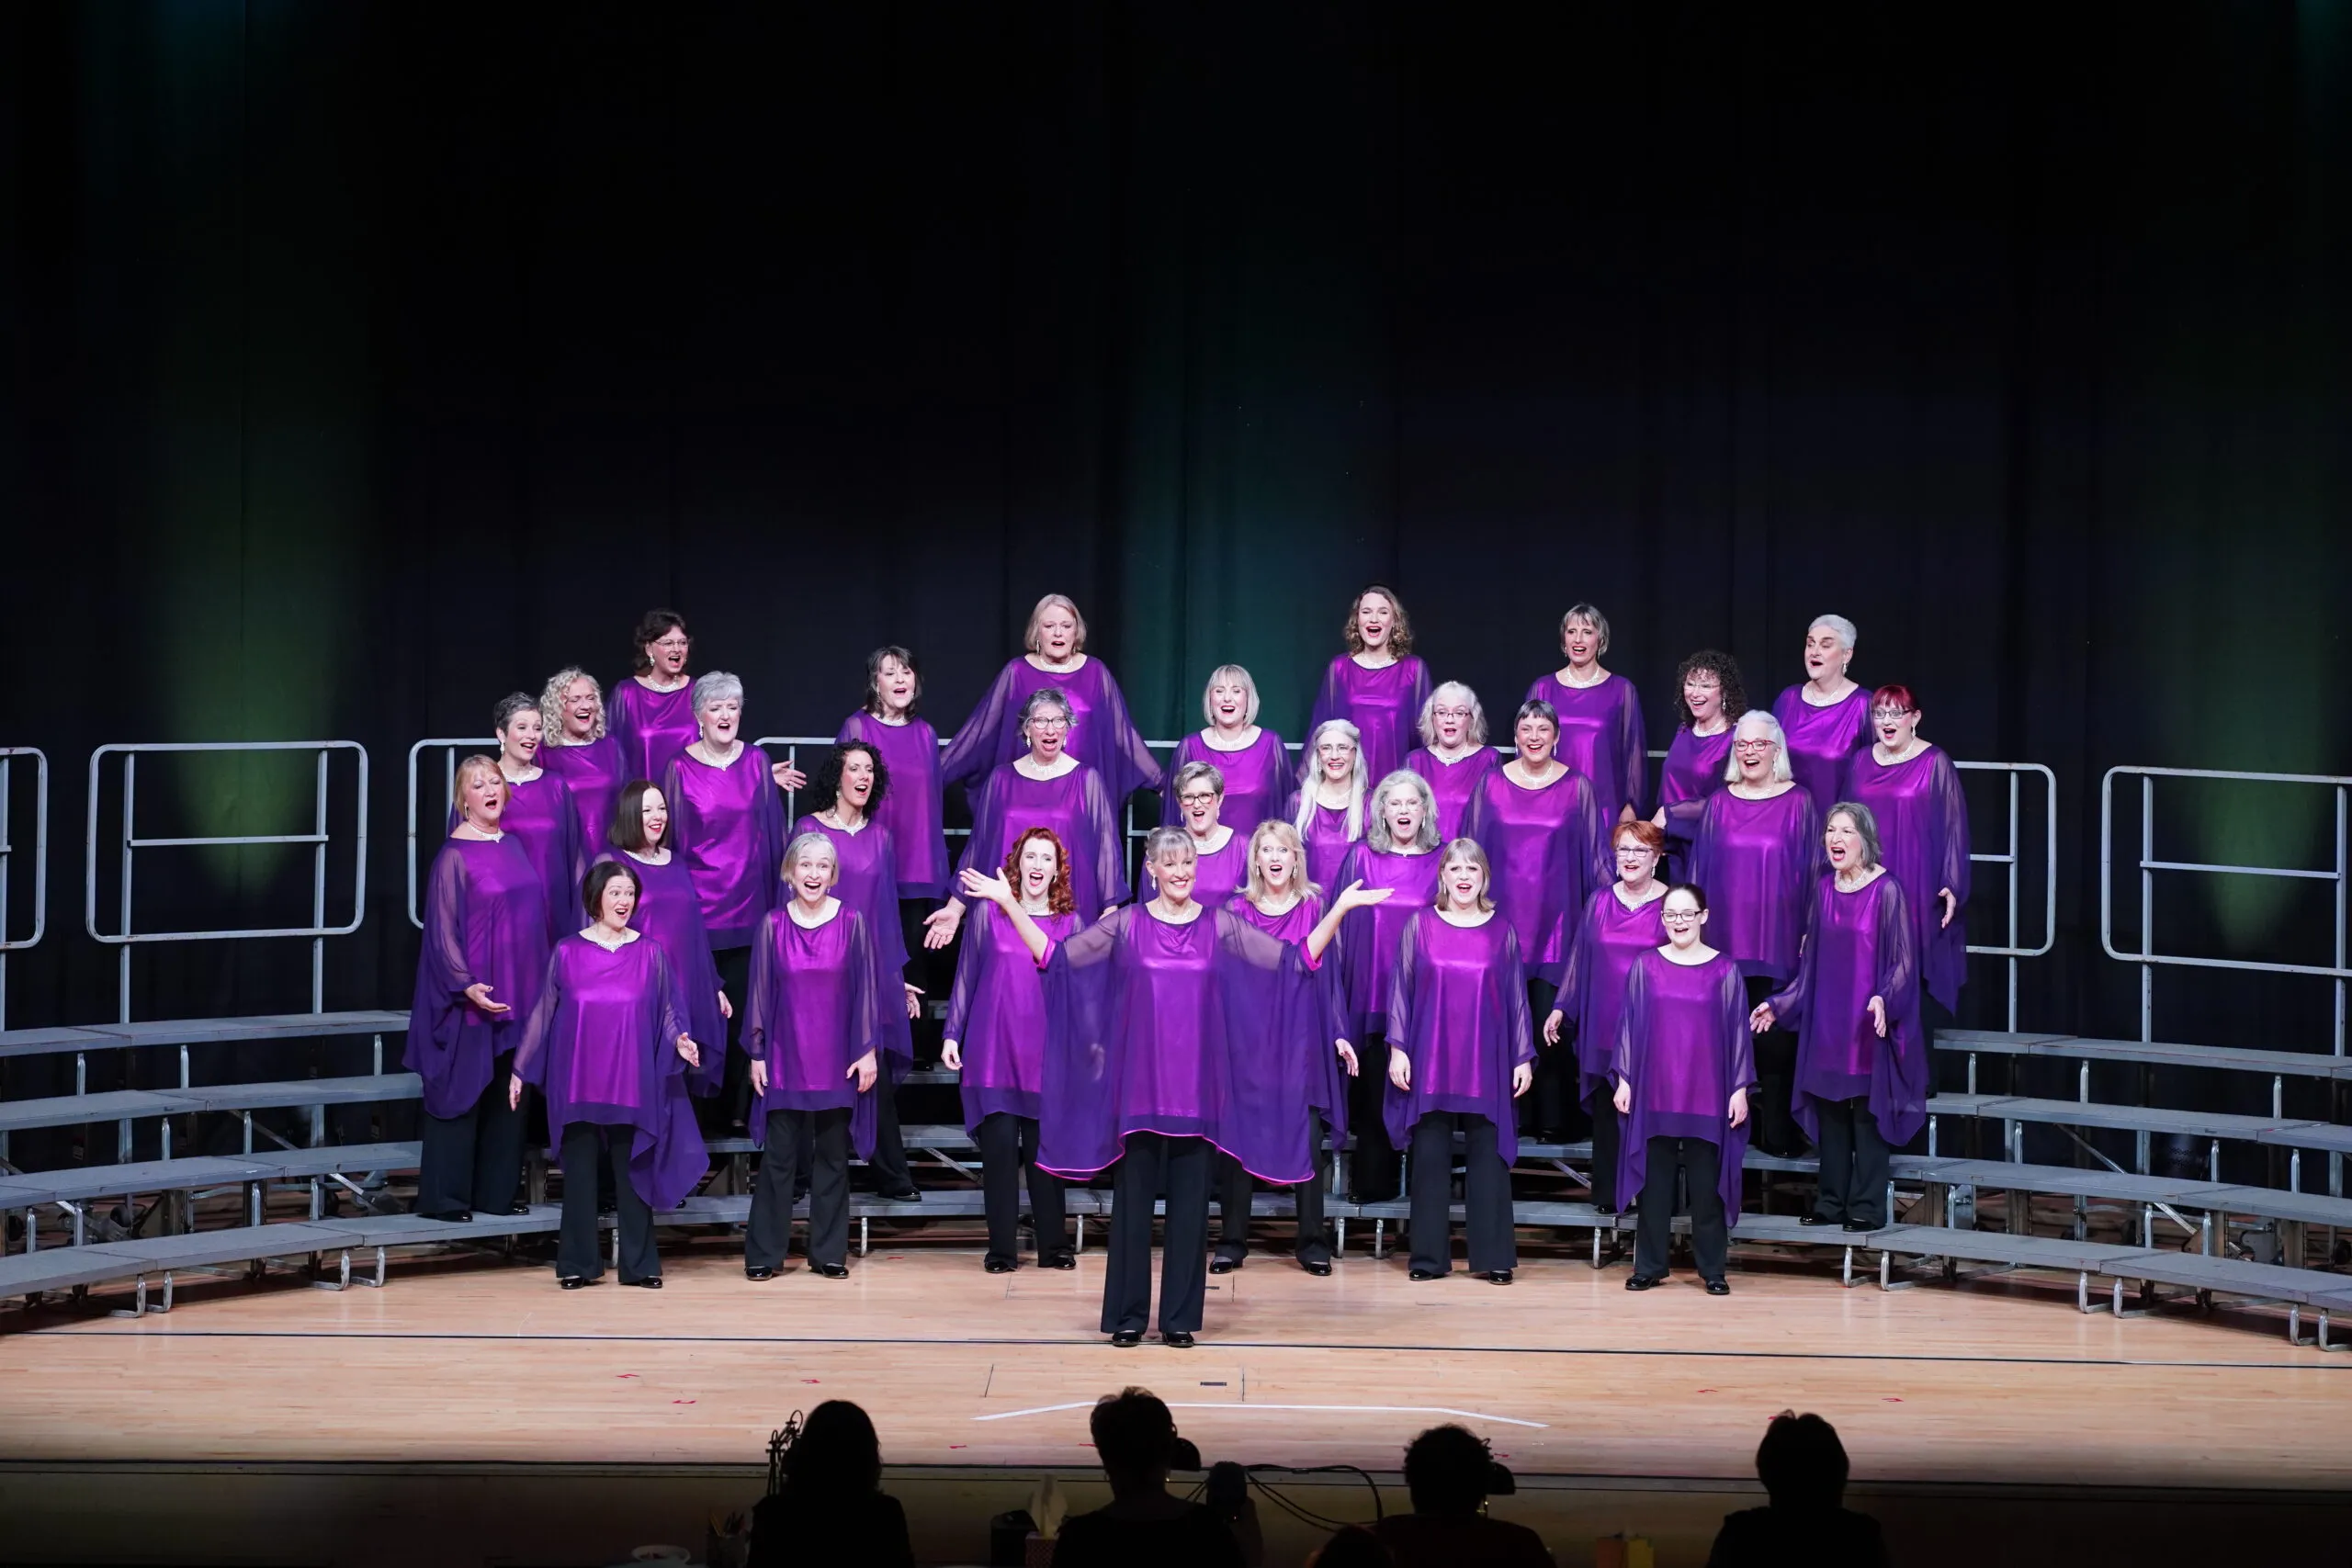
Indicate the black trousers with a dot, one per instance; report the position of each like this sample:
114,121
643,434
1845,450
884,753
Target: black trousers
1699,1163
1853,1163
1233,1190
889,1162
769,1235
1372,1163
589,1152
723,1112
1608,1142
1154,1165
1774,1131
1549,1102
473,1160
1008,1151
1486,1195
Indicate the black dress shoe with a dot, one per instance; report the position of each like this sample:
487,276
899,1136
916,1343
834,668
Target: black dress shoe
1497,1276
830,1270
999,1265
604,1210
1860,1225
1643,1281
1126,1338
1811,1219
1061,1260
1426,1274
1175,1340
1719,1287
452,1217
1320,1270
755,1273
1224,1265
521,1208
574,1281
651,1283
909,1194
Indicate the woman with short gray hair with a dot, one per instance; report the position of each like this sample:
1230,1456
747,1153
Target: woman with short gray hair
1826,718
1453,754
540,814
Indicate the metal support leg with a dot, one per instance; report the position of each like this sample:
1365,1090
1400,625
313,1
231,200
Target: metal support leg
863,1244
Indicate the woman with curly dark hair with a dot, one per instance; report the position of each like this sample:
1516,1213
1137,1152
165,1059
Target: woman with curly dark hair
1713,698
996,1039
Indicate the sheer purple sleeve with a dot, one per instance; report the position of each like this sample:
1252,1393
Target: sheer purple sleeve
1077,1120
1125,763
444,952
1951,817
1102,826
970,972
682,830
1702,836
1280,1066
1632,1022
765,1004
864,1034
1733,1022
988,832
1683,818
1575,978
1633,736
1514,978
530,1056
1400,989
572,844
1898,955
668,1012
974,751
1788,1005
767,828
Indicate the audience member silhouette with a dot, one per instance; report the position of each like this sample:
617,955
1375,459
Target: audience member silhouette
1352,1545
1143,1527
1449,1472
832,1509
1803,1466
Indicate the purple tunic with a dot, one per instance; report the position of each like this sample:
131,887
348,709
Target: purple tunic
1327,843
1384,705
669,912
1217,874
1923,836
1291,928
1206,1030
1100,733
1257,779
909,808
996,1014
1693,771
485,923
729,825
1453,784
603,1044
1457,1006
811,1017
1758,861
869,884
545,824
1369,937
651,726
593,771
1820,738
1549,850
1077,806
1601,737
1857,946
1683,1044
1609,938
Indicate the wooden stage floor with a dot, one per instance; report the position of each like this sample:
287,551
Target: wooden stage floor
1569,1373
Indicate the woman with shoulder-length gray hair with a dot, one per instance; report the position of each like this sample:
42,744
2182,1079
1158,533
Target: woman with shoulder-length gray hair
727,822
1601,735
1101,734
1328,810
1250,758
1862,1067
576,748
1757,850
1828,715
1453,754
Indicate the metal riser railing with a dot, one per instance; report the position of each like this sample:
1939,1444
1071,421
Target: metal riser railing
8,755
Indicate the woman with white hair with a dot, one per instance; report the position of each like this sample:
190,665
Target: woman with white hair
652,714
813,1034
540,814
1862,1078
1827,717
1398,859
1100,734
1601,735
727,823
1453,754
1377,685
1249,758
574,747
1757,852
1329,808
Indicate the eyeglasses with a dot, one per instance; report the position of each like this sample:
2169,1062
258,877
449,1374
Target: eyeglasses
1449,713
1884,715
1751,746
1042,722
673,643
1678,917
1195,797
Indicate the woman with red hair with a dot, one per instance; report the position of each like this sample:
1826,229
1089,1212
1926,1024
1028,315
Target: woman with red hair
1913,789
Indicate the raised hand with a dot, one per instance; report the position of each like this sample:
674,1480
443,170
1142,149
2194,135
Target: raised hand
992,886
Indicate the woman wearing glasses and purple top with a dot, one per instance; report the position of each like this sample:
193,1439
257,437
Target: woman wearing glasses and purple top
1698,758
1221,852
1913,789
1827,717
1101,734
1251,759
1619,924
652,712
1328,809
1376,685
1601,735
1453,754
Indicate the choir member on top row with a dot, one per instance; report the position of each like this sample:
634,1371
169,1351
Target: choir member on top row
1861,1075
1713,699
539,814
1249,758
1453,754
1599,715
479,969
1459,1052
1329,808
1398,859
1377,685
1221,861
607,1044
668,910
1176,1030
1826,716
575,749
1757,853
1045,787
1682,1071
813,1032
652,714
1913,790
1540,825
1101,734
1620,922
1276,901
996,1040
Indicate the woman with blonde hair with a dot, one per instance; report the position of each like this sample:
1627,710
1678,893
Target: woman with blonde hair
575,748
1249,758
1101,734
